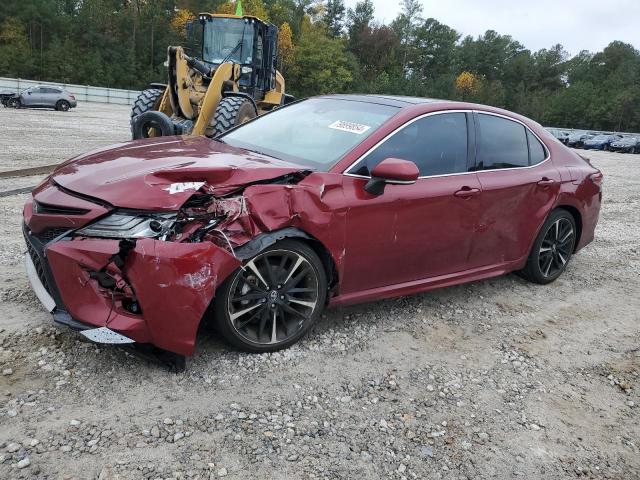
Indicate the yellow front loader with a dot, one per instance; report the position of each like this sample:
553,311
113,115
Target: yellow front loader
234,80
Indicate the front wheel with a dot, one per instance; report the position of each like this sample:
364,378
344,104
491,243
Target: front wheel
231,112
13,103
273,299
552,249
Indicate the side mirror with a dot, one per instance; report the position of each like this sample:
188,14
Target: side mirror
393,171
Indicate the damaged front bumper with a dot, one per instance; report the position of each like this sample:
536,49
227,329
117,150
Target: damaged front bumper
170,286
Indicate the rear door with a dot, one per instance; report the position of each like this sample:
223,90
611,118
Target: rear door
519,186
39,97
51,96
419,231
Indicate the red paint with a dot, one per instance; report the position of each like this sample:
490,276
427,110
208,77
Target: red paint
396,169
139,174
435,232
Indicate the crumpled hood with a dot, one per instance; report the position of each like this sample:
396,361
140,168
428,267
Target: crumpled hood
162,173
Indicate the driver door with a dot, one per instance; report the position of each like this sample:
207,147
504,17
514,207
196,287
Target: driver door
419,231
29,97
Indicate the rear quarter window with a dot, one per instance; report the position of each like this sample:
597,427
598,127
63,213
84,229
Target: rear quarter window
537,152
502,143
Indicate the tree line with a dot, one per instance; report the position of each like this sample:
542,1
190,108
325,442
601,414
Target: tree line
327,48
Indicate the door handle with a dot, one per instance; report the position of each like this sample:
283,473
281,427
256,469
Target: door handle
545,182
466,192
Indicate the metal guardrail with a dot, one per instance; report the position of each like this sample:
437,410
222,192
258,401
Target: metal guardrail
83,93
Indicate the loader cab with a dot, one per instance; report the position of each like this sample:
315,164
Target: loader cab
247,41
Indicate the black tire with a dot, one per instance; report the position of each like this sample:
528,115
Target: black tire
633,150
251,293
605,147
148,99
553,248
63,106
142,125
231,111
13,103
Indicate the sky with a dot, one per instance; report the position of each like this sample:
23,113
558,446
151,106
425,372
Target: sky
576,24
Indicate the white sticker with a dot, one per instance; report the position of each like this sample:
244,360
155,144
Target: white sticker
183,187
351,127
105,335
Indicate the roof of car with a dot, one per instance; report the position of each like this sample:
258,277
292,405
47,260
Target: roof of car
391,100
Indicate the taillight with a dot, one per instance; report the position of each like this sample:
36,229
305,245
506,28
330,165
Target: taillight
597,178
72,97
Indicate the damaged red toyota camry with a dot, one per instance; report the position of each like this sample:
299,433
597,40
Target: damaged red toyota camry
328,201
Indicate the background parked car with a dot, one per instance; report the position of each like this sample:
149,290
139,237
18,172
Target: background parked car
576,139
559,134
601,142
626,145
43,97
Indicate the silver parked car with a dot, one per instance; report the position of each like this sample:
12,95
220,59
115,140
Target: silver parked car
44,97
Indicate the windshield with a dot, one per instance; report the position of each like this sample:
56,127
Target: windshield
227,37
314,133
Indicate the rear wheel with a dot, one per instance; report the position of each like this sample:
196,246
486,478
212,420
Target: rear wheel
552,249
63,106
148,100
231,111
273,299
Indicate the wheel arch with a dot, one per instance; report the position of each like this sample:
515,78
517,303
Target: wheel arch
577,218
264,240
157,86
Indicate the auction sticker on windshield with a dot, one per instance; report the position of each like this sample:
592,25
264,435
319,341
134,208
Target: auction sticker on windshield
351,127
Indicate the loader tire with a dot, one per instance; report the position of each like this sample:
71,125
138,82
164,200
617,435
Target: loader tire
148,99
231,111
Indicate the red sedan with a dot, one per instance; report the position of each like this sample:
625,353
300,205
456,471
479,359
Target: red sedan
328,201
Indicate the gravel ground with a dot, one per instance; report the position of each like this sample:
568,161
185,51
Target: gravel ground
494,379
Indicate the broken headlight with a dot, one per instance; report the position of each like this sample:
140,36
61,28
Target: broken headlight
131,225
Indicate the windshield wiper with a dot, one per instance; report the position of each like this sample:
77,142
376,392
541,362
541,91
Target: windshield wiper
262,153
232,52
244,28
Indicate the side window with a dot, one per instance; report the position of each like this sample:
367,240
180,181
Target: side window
437,144
537,153
502,143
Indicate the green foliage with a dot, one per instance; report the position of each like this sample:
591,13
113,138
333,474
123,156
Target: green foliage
333,17
122,44
320,64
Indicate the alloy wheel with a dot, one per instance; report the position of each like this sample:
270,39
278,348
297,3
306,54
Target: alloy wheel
556,248
272,297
